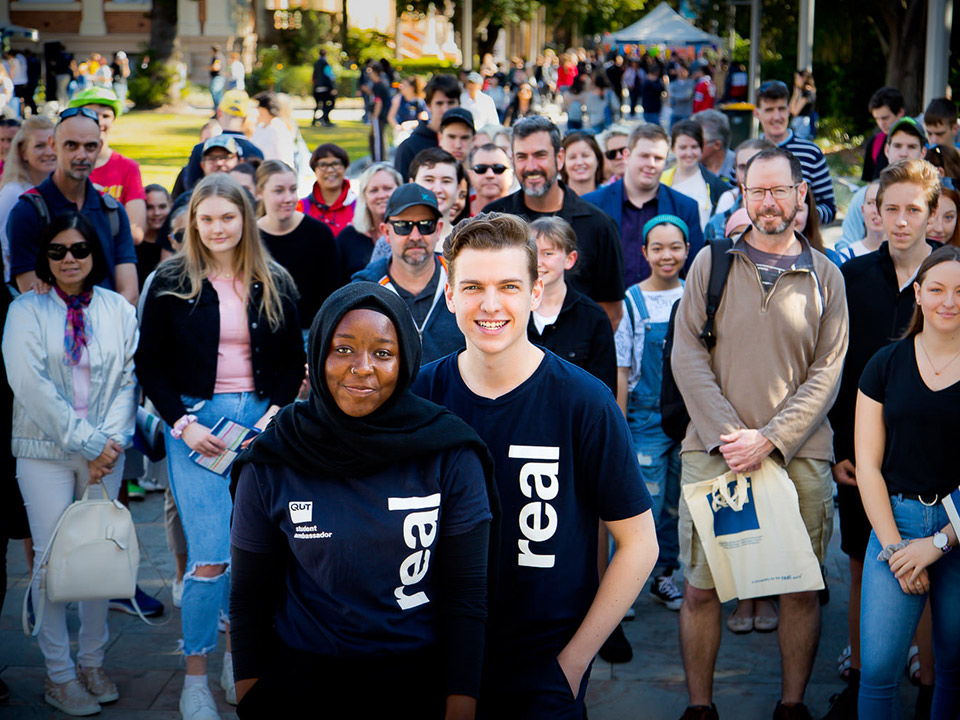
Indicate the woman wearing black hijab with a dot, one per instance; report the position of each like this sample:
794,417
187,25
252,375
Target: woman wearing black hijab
360,534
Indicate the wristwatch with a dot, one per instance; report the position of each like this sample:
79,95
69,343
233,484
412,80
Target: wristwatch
941,541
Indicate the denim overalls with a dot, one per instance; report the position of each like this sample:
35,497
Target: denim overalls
658,455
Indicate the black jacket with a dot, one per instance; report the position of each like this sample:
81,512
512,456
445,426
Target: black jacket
179,340
582,335
421,138
879,314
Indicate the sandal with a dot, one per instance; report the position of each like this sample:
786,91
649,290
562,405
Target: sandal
766,623
913,665
843,662
739,625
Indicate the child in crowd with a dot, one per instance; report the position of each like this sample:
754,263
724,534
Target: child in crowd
873,224
639,341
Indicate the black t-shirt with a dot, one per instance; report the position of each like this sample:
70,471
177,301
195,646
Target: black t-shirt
355,250
919,456
564,459
382,93
310,255
148,257
360,579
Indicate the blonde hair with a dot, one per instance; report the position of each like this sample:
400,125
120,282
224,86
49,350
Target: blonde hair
362,217
14,167
265,171
252,262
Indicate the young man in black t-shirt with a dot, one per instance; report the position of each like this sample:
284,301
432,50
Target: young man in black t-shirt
564,461
378,116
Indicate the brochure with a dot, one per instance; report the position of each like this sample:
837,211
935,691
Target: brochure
233,435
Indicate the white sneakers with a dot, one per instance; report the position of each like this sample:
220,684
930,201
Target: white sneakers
70,697
196,703
226,679
177,591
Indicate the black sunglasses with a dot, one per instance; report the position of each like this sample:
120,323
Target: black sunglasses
80,250
405,227
613,154
498,169
72,112
177,236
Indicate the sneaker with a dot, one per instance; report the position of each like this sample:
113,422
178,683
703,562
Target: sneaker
701,712
226,679
97,683
222,621
134,491
617,648
177,592
150,485
149,606
792,712
843,705
70,698
196,703
665,590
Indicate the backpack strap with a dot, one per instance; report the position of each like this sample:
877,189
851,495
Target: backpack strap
720,262
112,207
34,197
636,295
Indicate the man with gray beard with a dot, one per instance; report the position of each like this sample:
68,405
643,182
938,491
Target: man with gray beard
537,160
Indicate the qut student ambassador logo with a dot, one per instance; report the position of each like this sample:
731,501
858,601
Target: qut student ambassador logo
301,511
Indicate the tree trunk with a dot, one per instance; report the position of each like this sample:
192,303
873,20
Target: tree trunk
344,33
907,33
486,42
163,30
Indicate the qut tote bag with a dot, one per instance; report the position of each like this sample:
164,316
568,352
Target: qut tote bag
752,533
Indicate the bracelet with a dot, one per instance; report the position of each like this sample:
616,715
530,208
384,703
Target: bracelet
890,550
177,430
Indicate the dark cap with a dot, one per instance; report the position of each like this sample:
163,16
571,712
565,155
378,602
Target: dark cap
457,114
908,125
221,141
410,195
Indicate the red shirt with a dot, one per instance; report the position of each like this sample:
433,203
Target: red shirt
704,94
120,178
338,215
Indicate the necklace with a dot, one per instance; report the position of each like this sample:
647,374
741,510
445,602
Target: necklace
927,356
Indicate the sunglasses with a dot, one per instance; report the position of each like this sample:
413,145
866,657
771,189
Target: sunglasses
498,169
74,111
613,154
177,236
80,250
405,227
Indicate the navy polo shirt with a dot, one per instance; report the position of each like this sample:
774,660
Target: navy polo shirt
24,230
361,576
564,460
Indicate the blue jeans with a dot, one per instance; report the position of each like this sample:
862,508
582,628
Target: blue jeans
889,619
216,90
205,507
659,459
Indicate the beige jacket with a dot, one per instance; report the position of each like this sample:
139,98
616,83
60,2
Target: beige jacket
777,362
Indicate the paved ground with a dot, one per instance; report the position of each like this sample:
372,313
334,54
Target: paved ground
144,662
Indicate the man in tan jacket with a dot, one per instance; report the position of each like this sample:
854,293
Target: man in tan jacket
763,390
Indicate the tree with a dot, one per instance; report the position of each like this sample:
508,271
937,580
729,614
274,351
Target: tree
903,43
163,30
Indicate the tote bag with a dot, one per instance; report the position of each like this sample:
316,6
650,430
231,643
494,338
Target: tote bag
752,533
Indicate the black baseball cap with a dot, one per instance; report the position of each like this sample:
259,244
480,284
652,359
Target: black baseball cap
457,114
410,195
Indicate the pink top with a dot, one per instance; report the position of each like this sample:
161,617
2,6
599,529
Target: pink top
81,384
234,367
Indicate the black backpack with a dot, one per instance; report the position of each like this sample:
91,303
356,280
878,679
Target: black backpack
674,417
110,204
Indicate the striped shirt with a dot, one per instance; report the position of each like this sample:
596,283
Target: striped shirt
815,174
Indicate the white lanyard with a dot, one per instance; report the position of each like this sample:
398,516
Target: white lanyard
441,285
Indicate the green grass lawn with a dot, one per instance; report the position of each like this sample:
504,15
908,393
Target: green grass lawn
161,142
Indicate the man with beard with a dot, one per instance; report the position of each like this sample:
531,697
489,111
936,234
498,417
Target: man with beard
537,159
76,141
762,391
414,271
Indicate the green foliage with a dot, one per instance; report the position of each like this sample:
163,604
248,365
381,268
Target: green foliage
373,44
302,46
424,66
150,87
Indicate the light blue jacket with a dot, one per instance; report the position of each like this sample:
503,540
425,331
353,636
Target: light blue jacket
45,425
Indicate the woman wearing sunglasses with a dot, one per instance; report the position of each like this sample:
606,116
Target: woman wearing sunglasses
220,338
69,359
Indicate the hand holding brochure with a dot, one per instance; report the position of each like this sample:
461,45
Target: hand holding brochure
233,436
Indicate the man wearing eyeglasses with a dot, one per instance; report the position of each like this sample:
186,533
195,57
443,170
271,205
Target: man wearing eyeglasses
774,117
490,175
414,271
762,391
76,141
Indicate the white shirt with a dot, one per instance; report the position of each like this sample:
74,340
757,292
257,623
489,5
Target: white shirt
9,194
275,141
696,187
19,70
482,108
629,336
238,74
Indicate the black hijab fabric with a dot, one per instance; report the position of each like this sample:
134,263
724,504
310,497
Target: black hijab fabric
317,438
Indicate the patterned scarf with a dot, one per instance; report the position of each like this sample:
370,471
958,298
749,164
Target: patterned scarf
74,334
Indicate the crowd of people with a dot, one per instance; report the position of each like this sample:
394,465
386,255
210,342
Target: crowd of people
466,460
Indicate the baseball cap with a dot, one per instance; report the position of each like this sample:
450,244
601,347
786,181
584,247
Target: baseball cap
97,96
222,141
235,103
475,77
457,114
410,195
909,125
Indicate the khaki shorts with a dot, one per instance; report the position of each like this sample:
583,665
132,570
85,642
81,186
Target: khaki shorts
814,483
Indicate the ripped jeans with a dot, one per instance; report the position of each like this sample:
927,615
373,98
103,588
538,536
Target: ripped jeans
205,507
659,460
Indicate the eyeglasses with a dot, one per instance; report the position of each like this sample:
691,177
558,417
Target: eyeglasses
498,169
770,84
80,250
177,236
327,166
405,227
74,111
613,154
780,192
